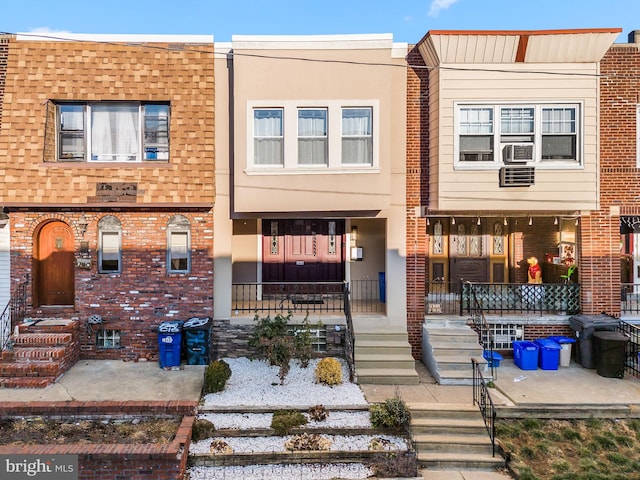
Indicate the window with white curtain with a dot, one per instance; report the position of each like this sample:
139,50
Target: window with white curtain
332,136
312,136
179,245
357,139
109,245
113,132
268,136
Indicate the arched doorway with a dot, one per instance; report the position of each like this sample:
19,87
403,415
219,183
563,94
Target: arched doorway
54,270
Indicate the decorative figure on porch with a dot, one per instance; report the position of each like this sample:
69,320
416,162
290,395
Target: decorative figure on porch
534,273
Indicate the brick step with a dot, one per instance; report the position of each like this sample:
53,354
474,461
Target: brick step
41,368
42,339
27,382
39,354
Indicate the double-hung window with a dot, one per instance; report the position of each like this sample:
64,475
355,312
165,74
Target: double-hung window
519,133
178,245
357,139
268,136
113,132
312,136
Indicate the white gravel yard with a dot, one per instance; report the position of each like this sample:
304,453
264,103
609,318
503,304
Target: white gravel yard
276,444
244,421
254,383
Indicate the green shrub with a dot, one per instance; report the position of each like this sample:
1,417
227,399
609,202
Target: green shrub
283,421
216,375
329,371
202,429
392,413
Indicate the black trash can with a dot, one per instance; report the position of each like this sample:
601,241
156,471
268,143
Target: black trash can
610,353
197,335
584,327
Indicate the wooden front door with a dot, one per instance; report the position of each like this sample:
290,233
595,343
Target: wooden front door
468,258
54,266
307,250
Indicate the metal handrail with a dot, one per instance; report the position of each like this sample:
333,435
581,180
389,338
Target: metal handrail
481,326
632,348
13,313
482,398
349,335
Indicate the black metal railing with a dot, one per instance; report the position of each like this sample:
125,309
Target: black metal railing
349,336
366,296
630,298
485,334
443,298
482,399
13,313
284,297
632,349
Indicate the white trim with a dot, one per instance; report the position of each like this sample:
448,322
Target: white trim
313,42
90,37
637,136
334,134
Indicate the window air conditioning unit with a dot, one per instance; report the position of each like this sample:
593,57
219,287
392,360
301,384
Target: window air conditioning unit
517,152
517,176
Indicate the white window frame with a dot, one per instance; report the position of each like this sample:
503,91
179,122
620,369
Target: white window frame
323,138
178,225
334,163
109,225
146,150
501,138
256,138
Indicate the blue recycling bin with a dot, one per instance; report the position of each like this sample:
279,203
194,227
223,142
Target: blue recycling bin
565,353
549,354
493,358
525,355
169,344
383,286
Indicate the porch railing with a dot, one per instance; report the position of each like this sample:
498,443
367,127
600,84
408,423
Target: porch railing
482,398
503,298
630,298
632,349
485,334
311,297
13,313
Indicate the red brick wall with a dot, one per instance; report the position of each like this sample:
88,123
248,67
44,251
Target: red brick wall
417,194
103,461
143,295
619,180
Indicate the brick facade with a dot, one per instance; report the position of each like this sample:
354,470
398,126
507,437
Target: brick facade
417,194
143,196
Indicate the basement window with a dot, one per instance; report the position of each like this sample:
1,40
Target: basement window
108,339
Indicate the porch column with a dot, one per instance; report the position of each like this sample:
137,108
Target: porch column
599,262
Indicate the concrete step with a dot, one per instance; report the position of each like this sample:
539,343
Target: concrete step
442,348
458,363
449,426
379,346
453,335
383,361
447,376
382,336
387,376
449,443
457,411
459,461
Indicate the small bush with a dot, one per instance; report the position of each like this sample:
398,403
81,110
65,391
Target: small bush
284,421
395,465
307,441
220,446
202,429
329,371
215,376
379,443
318,413
392,413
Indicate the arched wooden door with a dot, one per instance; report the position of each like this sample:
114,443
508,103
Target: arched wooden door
54,266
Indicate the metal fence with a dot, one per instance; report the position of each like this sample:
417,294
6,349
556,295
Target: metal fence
632,349
630,298
482,399
450,298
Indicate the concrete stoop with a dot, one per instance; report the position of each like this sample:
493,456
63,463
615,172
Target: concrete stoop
384,358
452,437
447,351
